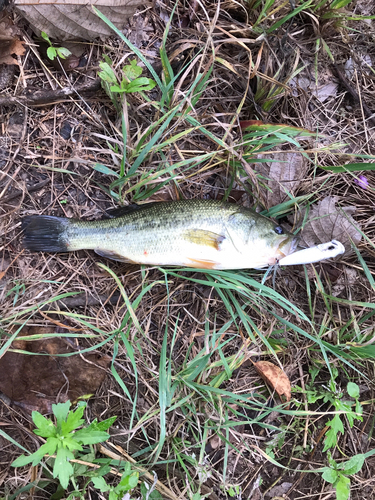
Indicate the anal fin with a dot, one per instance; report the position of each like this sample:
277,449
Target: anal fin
202,264
110,254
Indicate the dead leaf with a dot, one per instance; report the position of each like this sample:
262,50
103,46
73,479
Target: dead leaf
75,19
325,88
215,442
347,280
326,222
282,175
279,490
275,377
35,381
10,44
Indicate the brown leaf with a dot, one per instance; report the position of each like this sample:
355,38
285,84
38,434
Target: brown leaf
283,174
275,377
75,19
326,222
215,442
35,382
9,43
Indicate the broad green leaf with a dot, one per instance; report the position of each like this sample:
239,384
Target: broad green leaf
336,426
342,488
353,390
353,465
100,484
89,436
62,468
71,443
46,428
45,36
107,74
132,47
129,482
313,396
47,448
63,52
51,53
113,496
22,460
359,410
127,469
132,71
80,469
61,411
330,475
102,426
116,88
73,421
139,85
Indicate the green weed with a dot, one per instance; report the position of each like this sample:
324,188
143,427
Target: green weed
333,395
337,474
129,82
68,449
52,51
63,439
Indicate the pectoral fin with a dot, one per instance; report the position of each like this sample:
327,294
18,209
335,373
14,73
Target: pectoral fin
109,254
203,237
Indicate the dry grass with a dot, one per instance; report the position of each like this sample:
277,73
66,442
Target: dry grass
187,310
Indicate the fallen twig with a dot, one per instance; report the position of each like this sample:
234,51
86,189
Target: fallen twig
43,97
339,72
30,189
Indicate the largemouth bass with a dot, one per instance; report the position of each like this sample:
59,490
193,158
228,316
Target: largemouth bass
204,234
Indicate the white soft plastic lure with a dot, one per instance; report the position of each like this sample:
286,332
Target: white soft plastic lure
314,254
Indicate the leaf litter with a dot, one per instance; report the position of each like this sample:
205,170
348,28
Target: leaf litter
75,19
282,175
10,44
326,222
275,377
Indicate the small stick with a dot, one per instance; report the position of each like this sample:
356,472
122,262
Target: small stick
43,97
17,193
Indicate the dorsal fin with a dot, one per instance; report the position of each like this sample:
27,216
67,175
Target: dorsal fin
113,213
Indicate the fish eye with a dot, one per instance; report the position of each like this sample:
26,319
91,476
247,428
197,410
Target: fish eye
278,230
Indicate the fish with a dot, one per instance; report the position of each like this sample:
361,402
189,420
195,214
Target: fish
203,234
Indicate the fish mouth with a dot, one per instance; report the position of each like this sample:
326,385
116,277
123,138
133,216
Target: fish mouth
288,246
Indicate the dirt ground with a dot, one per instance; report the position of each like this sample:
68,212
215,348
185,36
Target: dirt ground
214,444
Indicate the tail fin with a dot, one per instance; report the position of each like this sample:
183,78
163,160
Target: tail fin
45,233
